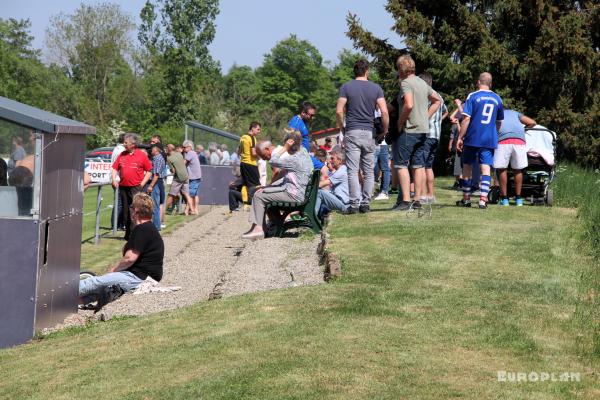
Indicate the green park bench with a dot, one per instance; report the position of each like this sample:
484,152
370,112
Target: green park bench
307,216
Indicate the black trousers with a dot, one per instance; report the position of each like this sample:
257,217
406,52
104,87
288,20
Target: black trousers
126,194
235,198
250,175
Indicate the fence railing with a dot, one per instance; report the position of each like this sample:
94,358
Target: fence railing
98,210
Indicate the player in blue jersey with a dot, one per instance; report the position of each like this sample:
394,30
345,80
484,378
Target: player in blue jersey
478,138
300,122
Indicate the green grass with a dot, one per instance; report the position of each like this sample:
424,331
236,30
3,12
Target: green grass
576,187
425,309
97,258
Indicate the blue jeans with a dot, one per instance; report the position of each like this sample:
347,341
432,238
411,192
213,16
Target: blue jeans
328,201
382,157
89,289
156,209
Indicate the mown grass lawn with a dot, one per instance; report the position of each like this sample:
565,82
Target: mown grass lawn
426,309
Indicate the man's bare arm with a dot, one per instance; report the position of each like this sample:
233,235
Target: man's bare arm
147,176
406,110
114,177
385,115
528,122
339,112
435,104
463,131
127,261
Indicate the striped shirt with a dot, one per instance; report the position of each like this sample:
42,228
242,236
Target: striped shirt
435,122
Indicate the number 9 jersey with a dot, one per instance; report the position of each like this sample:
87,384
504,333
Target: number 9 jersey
485,108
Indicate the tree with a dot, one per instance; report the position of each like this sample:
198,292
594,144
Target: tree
294,72
92,46
24,78
242,96
175,35
543,54
343,71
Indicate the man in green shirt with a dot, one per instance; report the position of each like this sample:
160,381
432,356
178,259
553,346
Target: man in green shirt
413,125
180,183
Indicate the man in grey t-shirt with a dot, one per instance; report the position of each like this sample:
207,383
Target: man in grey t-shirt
359,98
413,125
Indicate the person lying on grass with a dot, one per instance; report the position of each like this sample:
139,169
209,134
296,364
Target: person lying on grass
142,257
296,170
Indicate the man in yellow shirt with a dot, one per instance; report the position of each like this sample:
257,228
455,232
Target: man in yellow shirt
248,157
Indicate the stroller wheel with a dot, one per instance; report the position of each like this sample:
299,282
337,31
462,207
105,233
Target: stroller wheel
549,197
494,195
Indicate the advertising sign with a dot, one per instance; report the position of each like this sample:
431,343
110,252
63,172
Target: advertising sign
99,171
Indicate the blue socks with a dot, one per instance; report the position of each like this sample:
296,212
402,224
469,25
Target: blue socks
486,181
465,185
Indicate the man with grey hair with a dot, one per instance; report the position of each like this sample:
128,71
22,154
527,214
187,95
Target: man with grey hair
192,163
291,187
225,156
134,169
214,158
359,98
333,190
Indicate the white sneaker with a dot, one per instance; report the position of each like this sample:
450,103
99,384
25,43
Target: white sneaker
163,226
382,196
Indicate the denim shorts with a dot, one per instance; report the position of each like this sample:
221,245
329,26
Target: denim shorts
431,146
194,185
470,155
409,149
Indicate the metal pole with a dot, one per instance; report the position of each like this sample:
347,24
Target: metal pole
115,214
98,207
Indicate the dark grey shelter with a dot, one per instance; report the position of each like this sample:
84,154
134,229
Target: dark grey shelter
41,202
214,189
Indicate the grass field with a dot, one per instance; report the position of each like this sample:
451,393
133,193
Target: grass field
425,309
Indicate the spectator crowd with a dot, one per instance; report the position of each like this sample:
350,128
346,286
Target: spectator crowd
381,146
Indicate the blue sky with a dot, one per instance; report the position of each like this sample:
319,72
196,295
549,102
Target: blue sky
246,30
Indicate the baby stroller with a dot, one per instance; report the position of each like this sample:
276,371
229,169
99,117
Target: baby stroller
540,172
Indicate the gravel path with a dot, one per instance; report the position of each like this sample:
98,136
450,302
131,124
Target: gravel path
209,260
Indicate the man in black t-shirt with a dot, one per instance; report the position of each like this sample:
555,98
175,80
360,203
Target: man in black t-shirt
142,257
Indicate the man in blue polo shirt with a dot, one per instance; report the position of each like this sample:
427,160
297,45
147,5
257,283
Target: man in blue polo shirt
300,122
511,149
478,138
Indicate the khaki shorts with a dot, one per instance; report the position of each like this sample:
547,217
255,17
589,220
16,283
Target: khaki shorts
514,154
179,187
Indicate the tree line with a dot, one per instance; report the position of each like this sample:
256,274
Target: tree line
544,55
95,72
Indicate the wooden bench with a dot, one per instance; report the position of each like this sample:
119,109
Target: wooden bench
307,216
